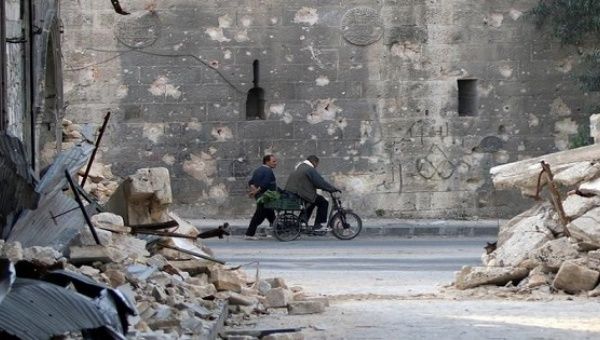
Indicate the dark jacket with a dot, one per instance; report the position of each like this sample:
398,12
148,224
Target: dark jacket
304,182
264,178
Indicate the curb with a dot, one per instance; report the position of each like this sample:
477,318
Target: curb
389,227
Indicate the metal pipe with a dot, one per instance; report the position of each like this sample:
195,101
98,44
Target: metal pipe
89,166
85,214
30,87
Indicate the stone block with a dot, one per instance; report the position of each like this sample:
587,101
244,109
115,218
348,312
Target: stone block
553,253
577,205
520,236
305,307
150,183
576,173
278,298
263,287
12,251
470,277
44,255
587,227
284,336
225,280
574,278
85,237
89,254
191,266
277,282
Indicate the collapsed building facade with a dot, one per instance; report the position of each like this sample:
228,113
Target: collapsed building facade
407,103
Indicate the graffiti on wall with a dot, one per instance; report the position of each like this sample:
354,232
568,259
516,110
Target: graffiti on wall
437,164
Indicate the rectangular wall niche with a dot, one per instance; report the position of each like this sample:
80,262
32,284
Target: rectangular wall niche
468,101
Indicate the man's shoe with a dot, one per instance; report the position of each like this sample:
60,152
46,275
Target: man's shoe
318,226
250,238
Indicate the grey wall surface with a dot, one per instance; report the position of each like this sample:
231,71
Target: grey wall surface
368,86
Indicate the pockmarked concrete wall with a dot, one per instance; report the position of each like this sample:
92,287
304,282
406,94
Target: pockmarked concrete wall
371,87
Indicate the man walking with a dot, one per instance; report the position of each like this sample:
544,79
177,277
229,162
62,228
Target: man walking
263,179
304,182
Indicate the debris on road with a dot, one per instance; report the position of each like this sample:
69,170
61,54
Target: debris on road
554,246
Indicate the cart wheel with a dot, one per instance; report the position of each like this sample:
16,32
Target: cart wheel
345,225
286,227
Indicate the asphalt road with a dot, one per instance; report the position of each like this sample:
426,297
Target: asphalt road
391,266
381,289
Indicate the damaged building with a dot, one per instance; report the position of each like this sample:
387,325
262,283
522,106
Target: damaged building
407,103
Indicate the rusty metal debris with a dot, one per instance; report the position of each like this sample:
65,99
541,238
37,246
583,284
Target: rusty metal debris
80,203
555,196
189,252
100,134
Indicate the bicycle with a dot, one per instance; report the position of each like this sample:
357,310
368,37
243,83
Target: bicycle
289,223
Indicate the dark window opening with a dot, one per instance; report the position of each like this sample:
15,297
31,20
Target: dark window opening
468,101
255,101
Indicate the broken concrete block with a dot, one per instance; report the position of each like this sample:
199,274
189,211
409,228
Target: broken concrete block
470,277
203,291
574,278
85,237
524,174
108,218
111,222
577,173
305,307
150,183
278,298
554,252
303,297
115,277
577,205
192,266
516,242
277,282
263,287
284,336
159,294
44,255
130,246
12,251
236,299
587,227
89,254
225,280
590,187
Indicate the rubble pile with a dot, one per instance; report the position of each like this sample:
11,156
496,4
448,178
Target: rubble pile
553,247
178,289
100,183
175,294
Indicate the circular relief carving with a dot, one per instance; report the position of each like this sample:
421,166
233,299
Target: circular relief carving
140,29
362,26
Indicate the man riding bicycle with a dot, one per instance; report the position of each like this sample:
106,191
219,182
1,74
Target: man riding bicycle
304,182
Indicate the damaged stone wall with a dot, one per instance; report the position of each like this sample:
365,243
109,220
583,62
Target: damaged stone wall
371,87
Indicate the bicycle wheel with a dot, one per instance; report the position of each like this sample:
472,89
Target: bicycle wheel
286,227
345,225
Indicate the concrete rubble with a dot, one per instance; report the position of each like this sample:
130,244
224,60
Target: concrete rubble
180,289
537,251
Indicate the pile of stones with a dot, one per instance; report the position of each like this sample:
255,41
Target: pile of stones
542,251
